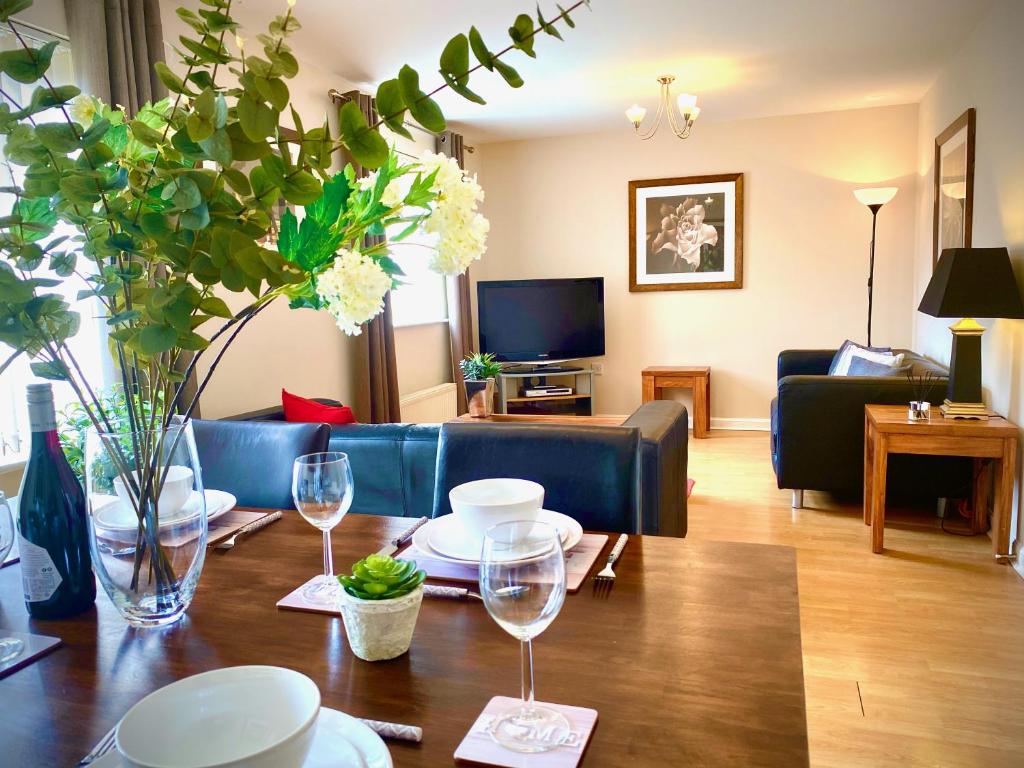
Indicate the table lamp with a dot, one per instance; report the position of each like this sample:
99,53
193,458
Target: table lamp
874,198
969,283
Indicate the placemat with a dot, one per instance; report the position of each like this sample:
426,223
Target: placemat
479,748
35,646
578,562
230,522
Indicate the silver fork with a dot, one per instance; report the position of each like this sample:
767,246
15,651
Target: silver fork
606,576
103,746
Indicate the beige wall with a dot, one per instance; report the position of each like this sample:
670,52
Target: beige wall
424,356
558,209
987,74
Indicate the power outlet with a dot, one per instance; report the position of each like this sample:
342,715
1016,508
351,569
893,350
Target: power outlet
597,368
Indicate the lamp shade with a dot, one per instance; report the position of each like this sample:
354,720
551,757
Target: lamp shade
875,195
973,282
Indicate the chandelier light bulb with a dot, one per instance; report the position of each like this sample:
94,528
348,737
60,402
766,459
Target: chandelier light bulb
687,102
291,3
693,114
875,195
636,114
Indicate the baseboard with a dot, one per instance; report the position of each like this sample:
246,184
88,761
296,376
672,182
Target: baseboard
750,425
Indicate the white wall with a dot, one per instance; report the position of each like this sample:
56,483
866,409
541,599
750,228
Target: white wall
987,74
558,208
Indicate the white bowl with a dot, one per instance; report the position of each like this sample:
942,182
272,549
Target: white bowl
482,503
237,717
175,492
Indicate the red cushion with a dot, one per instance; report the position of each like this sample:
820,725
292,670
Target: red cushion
301,409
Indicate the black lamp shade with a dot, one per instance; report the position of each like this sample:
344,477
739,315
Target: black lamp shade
973,282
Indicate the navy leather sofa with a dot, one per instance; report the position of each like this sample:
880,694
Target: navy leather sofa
817,424
394,465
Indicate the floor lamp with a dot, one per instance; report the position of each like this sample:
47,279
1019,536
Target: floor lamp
874,198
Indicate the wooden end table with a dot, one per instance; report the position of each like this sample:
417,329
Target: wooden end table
992,444
695,377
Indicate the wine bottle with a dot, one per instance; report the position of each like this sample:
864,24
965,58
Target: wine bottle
56,568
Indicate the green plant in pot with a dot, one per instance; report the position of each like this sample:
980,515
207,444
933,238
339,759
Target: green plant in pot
163,221
478,373
380,605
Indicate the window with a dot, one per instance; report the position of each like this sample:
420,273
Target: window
87,346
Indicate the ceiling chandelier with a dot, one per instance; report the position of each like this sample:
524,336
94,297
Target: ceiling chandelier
688,109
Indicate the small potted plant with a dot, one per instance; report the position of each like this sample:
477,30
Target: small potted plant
478,372
380,604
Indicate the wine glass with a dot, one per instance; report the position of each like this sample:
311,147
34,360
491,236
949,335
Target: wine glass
322,488
522,582
10,647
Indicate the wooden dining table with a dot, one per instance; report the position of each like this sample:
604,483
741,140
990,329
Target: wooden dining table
693,658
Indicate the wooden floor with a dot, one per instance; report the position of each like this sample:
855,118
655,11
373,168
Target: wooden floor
911,658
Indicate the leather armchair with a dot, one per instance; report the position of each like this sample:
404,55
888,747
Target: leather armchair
589,473
253,460
817,426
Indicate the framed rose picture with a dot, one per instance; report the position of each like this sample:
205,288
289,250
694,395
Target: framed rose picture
686,233
954,186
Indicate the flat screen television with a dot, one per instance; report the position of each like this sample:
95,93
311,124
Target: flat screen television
531,321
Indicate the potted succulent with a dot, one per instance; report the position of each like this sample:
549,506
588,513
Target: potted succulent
478,372
380,604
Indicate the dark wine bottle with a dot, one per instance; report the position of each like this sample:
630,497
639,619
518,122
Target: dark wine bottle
56,569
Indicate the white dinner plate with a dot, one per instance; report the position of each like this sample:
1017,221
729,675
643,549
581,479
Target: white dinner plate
112,515
341,741
444,538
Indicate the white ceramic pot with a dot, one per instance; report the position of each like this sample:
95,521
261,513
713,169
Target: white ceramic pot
482,503
380,629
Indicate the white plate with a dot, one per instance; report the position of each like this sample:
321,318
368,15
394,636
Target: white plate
341,741
449,535
113,516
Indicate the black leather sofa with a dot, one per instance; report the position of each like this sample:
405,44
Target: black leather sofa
394,465
817,430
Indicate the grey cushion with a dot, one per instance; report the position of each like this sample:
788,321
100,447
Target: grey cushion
848,343
861,367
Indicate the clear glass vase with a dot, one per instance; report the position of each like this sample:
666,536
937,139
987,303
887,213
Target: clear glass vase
147,520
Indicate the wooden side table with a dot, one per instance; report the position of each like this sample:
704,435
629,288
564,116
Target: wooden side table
695,377
992,444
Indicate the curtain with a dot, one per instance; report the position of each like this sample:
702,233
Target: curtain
378,363
115,44
460,310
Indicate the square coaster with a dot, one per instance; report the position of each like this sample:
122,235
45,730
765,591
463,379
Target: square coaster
478,747
35,646
294,601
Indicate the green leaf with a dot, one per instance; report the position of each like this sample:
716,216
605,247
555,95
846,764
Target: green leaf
455,59
26,65
157,339
242,148
237,180
547,26
44,97
565,15
301,187
212,305
391,107
63,263
58,137
54,370
521,33
367,146
186,194
174,83
145,134
423,109
257,119
218,147
511,76
462,90
196,219
10,7
476,42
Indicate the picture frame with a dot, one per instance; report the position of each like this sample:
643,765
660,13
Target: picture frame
953,171
686,233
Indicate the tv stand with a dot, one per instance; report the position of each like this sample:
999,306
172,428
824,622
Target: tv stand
545,370
579,403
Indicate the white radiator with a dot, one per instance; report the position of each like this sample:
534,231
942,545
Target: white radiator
431,405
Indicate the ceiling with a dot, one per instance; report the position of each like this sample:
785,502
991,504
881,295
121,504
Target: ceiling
744,58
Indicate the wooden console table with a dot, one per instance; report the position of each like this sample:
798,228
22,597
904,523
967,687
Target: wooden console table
695,377
993,442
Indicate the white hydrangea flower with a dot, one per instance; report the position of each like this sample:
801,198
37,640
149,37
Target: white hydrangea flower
83,109
353,288
368,181
393,194
461,232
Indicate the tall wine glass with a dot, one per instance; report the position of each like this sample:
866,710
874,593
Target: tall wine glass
322,489
522,582
10,647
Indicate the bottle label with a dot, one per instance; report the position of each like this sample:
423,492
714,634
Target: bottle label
39,576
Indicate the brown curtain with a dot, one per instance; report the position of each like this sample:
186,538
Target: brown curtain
460,310
379,367
115,44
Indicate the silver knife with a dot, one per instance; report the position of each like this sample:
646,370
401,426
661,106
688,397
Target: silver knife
252,527
399,541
